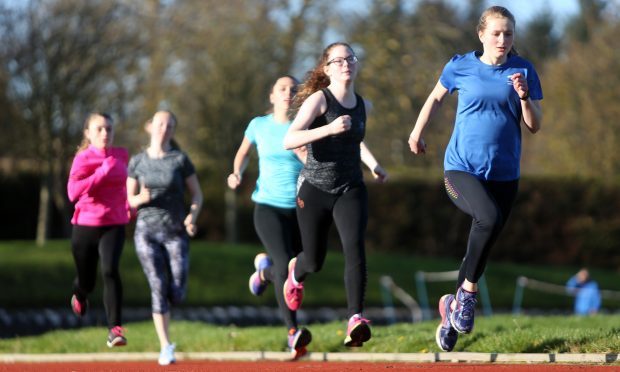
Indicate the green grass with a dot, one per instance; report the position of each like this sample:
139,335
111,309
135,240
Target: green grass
500,334
42,277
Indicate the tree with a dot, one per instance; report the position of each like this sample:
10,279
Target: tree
64,58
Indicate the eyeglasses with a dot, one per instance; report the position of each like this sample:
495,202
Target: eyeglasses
339,61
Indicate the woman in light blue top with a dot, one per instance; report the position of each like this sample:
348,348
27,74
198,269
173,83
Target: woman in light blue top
275,218
498,91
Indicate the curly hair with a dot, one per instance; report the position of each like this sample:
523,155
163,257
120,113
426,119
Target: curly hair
316,79
497,11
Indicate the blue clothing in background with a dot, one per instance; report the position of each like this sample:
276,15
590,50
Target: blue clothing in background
587,296
278,168
486,141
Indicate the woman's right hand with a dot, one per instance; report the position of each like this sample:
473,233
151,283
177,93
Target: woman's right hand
340,125
144,196
234,180
417,145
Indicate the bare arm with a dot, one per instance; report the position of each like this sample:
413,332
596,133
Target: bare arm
137,194
369,159
532,114
433,102
196,195
532,110
298,133
240,163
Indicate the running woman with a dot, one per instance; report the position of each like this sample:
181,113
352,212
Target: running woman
158,179
331,123
97,186
275,219
498,90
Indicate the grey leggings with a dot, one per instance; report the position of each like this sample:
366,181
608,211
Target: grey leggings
164,255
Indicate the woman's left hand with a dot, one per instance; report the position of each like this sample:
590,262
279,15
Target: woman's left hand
519,83
379,174
190,226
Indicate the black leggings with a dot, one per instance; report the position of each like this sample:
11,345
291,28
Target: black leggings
316,209
278,231
489,204
89,244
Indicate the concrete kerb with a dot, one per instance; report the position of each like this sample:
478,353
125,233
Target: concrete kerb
453,357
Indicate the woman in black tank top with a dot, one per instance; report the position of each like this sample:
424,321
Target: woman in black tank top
331,123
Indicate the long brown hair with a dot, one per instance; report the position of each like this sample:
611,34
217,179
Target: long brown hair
85,141
316,79
497,11
270,109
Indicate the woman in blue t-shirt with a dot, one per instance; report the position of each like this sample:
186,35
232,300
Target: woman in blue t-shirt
275,219
498,90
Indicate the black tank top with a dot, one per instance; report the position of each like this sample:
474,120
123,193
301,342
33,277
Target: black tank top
333,162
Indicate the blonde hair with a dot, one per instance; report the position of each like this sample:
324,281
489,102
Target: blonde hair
497,11
316,79
85,141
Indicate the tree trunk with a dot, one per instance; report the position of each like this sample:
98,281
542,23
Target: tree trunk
44,210
232,233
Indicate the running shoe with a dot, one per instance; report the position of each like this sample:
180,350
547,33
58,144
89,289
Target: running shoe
256,284
79,307
166,356
446,336
298,339
462,318
116,337
358,331
293,294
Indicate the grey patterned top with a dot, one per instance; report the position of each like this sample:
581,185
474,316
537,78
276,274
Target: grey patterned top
165,177
333,163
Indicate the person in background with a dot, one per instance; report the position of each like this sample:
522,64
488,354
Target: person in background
97,186
498,91
331,124
158,179
586,291
275,219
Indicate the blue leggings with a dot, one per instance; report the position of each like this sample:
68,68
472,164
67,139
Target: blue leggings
164,255
489,204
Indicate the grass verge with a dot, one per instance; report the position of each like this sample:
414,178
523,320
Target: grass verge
497,334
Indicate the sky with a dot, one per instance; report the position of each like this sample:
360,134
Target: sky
523,10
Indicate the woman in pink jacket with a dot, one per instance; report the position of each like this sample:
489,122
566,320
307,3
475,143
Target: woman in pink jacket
97,186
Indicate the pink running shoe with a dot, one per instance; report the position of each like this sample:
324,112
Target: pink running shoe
293,294
116,337
79,307
358,331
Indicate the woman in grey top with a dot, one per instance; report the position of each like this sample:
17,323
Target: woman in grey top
331,123
158,178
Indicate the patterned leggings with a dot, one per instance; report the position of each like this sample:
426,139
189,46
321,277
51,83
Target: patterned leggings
164,255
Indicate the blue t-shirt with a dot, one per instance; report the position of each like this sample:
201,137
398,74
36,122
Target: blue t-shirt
486,141
278,168
587,296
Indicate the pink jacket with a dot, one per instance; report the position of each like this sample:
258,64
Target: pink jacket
97,182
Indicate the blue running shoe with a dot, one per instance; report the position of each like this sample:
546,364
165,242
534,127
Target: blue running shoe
446,336
462,318
298,339
257,284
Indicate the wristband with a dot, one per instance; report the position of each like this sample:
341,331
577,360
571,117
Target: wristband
526,96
